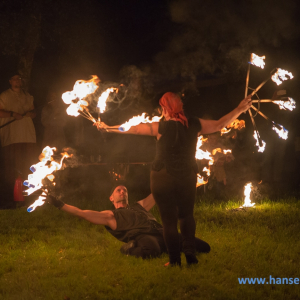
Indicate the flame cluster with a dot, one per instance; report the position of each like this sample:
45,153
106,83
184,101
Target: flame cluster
236,124
81,89
201,154
41,170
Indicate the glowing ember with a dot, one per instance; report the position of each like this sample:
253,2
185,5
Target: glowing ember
247,200
236,124
200,180
261,148
103,97
225,130
138,120
280,76
215,151
282,133
207,171
290,104
227,151
257,60
41,170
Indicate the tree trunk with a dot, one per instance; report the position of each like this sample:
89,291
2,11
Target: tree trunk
31,41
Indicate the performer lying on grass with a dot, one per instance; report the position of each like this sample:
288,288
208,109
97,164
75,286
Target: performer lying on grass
174,170
134,225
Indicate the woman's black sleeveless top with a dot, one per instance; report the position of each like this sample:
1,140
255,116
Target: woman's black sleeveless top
175,150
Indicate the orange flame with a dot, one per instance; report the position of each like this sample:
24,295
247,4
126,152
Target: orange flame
42,170
200,180
200,154
280,76
138,120
247,191
81,89
260,148
290,104
236,124
282,133
257,61
103,97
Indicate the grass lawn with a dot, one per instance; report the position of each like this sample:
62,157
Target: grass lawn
48,254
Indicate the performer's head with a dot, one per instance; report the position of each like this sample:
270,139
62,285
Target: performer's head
15,81
171,105
119,196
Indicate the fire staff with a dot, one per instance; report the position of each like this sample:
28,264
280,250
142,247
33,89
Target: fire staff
132,224
173,174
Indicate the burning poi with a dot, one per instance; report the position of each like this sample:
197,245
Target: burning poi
78,105
40,171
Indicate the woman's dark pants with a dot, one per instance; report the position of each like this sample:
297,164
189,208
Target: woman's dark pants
175,197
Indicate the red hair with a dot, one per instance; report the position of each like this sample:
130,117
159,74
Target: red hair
173,104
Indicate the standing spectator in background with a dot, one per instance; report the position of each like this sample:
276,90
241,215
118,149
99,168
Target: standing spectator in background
54,120
18,138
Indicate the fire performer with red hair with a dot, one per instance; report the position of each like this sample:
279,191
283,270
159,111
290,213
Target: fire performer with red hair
173,174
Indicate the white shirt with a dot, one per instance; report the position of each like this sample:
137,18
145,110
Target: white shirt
19,131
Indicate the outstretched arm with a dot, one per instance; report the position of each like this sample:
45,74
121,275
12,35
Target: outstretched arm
105,217
210,126
141,129
148,202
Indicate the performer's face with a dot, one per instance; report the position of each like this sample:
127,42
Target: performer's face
119,197
165,114
16,81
